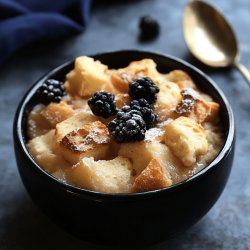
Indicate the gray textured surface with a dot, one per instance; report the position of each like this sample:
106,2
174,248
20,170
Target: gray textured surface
114,26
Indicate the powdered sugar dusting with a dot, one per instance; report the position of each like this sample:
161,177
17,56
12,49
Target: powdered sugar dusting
153,134
165,123
96,136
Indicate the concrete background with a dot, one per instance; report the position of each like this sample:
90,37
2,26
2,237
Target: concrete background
115,26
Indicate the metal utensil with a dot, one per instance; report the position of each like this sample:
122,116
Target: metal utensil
210,37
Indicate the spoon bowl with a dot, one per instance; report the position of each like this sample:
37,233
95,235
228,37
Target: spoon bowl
210,37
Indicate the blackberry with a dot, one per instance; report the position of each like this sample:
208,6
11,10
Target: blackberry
148,115
144,88
149,28
128,126
51,91
103,104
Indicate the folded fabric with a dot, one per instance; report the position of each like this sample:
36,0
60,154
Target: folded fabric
26,21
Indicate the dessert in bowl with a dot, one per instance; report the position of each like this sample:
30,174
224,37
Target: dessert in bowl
83,166
123,130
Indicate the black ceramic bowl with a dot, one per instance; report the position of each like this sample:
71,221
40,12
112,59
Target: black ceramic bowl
126,219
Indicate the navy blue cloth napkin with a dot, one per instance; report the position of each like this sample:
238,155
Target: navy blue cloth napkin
26,21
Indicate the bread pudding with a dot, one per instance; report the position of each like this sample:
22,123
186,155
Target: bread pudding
123,130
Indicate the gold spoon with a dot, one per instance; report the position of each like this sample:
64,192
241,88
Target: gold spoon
210,38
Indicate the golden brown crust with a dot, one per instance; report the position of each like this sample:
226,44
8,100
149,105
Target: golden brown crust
177,76
213,114
205,111
57,112
151,178
90,140
78,120
186,84
122,80
87,138
194,106
87,77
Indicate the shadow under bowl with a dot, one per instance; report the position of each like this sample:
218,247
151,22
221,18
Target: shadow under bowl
126,219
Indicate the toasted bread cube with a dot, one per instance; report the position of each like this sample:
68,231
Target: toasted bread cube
196,107
151,178
186,84
76,121
141,153
41,144
205,111
213,113
121,81
121,78
187,139
177,76
90,140
52,162
136,69
167,100
148,67
41,148
215,143
37,124
206,97
133,152
88,77
103,176
57,112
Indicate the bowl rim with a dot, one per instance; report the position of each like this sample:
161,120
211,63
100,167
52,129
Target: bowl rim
19,138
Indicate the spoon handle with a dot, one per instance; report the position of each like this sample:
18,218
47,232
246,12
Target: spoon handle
244,71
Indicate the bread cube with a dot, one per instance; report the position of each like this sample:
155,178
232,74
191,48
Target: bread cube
122,77
141,153
41,148
205,111
88,77
186,84
120,81
148,67
177,76
41,144
57,112
103,176
187,139
37,124
76,121
52,162
167,100
151,178
90,140
194,105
